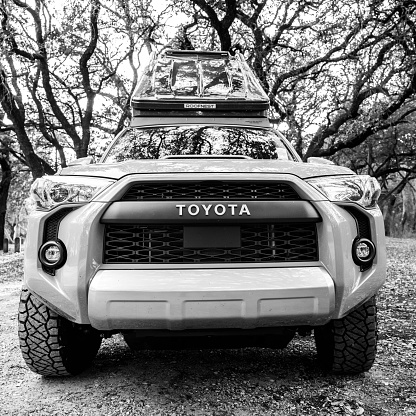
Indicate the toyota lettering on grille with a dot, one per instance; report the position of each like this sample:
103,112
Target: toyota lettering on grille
217,209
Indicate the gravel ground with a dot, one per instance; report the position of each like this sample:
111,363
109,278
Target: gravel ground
221,382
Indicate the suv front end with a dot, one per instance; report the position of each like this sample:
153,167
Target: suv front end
202,227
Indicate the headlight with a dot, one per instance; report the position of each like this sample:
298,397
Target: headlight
51,191
361,189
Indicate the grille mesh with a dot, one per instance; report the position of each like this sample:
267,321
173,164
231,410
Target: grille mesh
52,224
210,190
362,221
164,244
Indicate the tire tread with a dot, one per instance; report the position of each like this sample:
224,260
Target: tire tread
349,345
50,345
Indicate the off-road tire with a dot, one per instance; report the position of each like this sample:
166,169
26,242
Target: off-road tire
348,345
50,344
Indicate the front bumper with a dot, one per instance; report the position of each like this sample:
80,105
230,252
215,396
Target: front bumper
113,296
210,298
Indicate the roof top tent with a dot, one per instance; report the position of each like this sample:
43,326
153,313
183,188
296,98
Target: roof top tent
180,83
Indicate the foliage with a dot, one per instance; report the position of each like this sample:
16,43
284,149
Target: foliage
68,77
341,75
390,157
17,209
344,69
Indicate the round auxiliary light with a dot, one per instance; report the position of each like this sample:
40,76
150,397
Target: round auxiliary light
363,251
52,254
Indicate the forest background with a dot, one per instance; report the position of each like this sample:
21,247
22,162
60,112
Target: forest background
340,74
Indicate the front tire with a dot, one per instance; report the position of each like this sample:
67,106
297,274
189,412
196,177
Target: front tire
50,344
348,345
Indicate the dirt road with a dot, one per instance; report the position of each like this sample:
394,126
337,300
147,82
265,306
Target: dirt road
223,382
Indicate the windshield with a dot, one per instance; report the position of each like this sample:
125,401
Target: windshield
158,142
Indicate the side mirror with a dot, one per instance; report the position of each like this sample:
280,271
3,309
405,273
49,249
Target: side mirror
82,161
320,161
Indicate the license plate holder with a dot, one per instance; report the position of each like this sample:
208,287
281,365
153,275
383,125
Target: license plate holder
212,237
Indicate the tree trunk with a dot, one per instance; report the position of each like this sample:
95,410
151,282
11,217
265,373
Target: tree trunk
388,214
6,177
18,119
408,220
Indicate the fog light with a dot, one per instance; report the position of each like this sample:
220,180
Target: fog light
363,251
53,254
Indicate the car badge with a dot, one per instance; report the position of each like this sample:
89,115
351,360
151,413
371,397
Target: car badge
217,209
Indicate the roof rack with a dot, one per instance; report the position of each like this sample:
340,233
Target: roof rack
198,82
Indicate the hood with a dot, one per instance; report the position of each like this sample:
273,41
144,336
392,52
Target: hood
149,166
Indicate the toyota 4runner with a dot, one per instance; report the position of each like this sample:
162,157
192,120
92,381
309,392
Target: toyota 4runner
201,227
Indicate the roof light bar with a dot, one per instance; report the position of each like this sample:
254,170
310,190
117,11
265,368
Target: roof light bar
199,80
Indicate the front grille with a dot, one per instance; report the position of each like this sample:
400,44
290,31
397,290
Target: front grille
210,191
148,244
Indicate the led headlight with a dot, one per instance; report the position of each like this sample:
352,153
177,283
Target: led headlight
361,189
51,191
